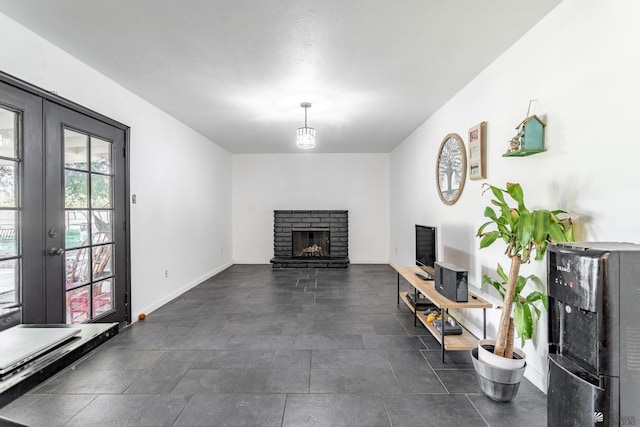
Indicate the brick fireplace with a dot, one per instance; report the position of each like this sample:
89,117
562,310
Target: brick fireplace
314,239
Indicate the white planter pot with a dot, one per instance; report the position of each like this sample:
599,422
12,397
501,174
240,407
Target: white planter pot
489,358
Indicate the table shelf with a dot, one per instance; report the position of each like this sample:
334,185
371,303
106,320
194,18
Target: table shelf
464,341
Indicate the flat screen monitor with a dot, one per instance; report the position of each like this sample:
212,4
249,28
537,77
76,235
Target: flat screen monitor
426,247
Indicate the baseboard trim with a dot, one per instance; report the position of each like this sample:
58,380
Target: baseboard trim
173,295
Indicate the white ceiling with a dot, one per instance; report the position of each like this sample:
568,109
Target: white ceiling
237,70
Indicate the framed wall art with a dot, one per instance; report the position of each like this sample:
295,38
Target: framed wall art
477,148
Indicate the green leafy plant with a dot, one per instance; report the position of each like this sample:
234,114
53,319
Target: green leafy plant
523,307
526,233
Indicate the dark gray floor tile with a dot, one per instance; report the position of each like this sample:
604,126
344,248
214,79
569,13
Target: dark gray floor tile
208,328
354,381
342,327
308,283
161,379
240,359
274,317
307,297
384,318
303,326
526,387
335,292
179,356
349,359
385,324
323,316
89,381
335,411
328,342
205,292
174,311
407,323
271,298
134,342
246,327
282,371
286,273
45,410
369,299
275,380
525,410
148,326
228,306
121,359
260,308
392,342
413,373
431,410
131,410
452,359
459,380
192,342
331,300
250,410
260,342
430,341
378,308
314,309
292,359
203,381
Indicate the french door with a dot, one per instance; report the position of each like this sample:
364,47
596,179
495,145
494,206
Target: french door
70,261
21,241
85,225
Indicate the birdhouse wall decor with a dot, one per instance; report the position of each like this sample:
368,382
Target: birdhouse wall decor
529,139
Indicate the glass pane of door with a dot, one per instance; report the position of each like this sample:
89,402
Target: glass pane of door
10,203
88,206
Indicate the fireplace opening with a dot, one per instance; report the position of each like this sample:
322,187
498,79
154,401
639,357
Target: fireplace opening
310,243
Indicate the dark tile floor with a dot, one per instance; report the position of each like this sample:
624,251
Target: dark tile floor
254,346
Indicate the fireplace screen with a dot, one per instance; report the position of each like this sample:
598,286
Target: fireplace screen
310,243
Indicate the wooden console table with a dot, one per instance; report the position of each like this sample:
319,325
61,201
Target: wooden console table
465,341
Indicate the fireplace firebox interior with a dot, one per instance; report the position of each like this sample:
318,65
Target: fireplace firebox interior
310,243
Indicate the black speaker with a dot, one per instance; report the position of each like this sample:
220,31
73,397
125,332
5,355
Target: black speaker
451,281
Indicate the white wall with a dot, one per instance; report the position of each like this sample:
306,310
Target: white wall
358,183
182,220
582,63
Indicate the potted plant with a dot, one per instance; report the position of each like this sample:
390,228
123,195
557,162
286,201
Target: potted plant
524,308
526,234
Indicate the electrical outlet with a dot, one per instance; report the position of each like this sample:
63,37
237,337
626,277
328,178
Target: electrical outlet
166,273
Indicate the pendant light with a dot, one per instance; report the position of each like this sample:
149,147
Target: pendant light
306,136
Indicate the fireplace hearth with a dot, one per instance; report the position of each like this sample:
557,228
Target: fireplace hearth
314,239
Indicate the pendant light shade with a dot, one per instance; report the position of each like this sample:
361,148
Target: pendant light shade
306,136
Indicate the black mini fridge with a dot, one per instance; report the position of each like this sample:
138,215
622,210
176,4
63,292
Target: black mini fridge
594,334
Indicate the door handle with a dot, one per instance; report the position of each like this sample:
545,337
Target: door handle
56,251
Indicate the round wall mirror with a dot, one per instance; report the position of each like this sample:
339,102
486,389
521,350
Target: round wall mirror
451,168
